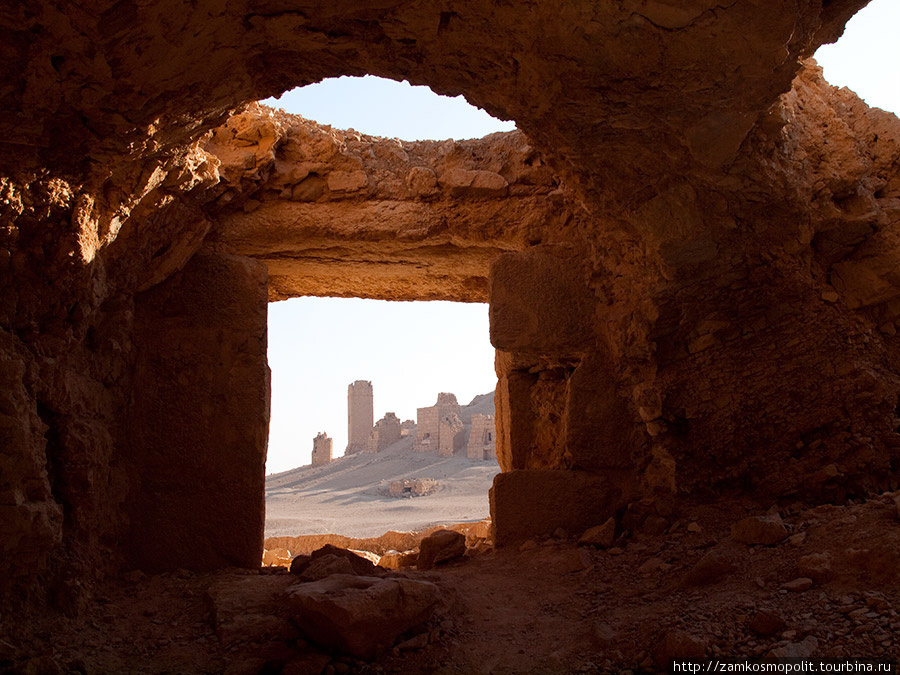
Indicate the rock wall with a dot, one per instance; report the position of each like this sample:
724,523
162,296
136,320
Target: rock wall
200,418
691,265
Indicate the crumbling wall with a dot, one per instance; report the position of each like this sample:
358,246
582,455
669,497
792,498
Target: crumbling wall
451,434
322,449
482,444
430,422
385,433
709,232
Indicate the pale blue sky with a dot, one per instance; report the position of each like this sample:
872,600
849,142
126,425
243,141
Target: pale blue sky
411,351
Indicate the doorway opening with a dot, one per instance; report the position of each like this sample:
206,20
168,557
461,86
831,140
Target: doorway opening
417,378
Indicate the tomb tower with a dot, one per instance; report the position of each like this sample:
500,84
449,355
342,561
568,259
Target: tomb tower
360,416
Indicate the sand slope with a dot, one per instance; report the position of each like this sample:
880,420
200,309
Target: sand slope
349,495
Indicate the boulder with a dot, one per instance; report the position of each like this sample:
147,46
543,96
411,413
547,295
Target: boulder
816,566
766,622
678,644
765,530
395,560
439,547
359,565
602,536
324,566
712,567
360,615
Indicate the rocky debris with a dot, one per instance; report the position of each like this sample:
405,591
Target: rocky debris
412,487
602,536
441,546
279,557
766,623
712,567
794,650
765,530
360,616
324,566
679,644
395,560
816,566
798,585
327,558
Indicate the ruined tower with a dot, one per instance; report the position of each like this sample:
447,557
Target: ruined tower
360,416
322,446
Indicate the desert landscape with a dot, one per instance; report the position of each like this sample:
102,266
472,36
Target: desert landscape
351,495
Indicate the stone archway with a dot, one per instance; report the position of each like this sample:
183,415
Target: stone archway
699,214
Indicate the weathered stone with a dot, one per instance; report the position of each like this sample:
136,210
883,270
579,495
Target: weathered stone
766,622
359,564
421,181
678,644
360,615
347,181
441,546
765,530
714,566
527,504
816,566
602,536
324,566
798,585
395,560
468,183
734,220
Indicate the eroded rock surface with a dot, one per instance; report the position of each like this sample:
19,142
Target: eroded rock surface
690,250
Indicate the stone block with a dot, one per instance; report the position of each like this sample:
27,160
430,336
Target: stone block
199,425
541,302
531,503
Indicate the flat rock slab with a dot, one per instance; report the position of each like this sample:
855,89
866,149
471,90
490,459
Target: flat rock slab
360,615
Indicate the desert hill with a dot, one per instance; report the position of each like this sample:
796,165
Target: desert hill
349,496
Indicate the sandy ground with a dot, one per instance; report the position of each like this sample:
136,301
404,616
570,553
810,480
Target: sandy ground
349,496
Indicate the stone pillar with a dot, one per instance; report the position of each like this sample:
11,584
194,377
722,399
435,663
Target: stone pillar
200,418
755,382
322,447
360,415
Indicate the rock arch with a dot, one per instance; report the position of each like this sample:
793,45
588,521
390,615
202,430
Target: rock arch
688,194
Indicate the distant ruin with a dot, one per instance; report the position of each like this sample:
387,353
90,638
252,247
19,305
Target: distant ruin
432,422
322,448
360,416
412,487
438,429
482,438
386,432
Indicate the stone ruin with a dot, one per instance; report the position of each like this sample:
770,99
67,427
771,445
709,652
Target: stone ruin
322,447
687,219
360,416
386,431
482,443
429,423
412,487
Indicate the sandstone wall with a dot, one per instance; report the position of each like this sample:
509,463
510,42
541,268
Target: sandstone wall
199,421
429,423
690,220
385,433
